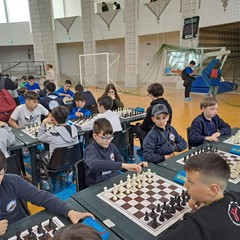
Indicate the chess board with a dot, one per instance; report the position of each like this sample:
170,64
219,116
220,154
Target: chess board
128,113
139,201
32,129
80,121
56,225
233,161
235,139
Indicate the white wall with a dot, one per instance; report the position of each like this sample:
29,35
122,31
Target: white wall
68,60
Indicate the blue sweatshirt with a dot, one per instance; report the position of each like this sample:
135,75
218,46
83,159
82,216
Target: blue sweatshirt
201,128
61,90
86,112
99,160
160,142
13,188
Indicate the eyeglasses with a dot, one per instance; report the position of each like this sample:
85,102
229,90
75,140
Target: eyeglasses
106,138
3,170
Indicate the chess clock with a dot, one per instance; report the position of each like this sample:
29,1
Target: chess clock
180,177
235,150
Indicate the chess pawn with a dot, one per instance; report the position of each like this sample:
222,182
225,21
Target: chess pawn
128,187
154,177
144,178
105,192
139,184
128,177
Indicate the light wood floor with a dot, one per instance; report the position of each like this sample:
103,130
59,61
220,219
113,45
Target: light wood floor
183,112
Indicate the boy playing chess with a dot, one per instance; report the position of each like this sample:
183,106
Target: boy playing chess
13,189
102,159
79,109
28,113
217,213
162,141
208,126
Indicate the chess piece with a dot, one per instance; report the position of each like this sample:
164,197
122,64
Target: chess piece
154,223
146,218
167,214
51,223
44,236
128,187
172,208
161,218
158,208
105,191
184,203
164,207
18,234
154,176
40,229
153,214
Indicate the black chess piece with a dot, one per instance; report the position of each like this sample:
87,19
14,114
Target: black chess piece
152,214
189,155
167,214
164,207
183,193
178,206
184,203
40,229
54,231
172,208
158,208
161,218
18,233
154,223
185,158
51,223
146,218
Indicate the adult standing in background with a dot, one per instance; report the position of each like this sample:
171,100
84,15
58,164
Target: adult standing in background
104,7
50,73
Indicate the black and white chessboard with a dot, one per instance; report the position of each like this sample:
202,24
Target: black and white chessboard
146,206
44,230
234,139
32,129
81,120
233,161
129,113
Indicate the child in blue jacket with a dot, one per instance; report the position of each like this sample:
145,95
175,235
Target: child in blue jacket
79,109
162,140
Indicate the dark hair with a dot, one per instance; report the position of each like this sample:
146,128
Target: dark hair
192,63
30,77
23,90
208,101
60,114
24,78
211,166
51,87
106,102
109,87
78,96
77,231
156,89
31,95
49,65
68,82
3,162
45,82
79,88
102,125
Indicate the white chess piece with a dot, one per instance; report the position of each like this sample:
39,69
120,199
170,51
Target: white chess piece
154,176
128,187
139,184
105,191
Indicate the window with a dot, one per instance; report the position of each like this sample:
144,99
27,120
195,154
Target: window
2,12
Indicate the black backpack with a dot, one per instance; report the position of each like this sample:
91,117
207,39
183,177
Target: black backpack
184,74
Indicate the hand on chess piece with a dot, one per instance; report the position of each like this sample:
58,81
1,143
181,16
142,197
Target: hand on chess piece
143,164
132,167
75,216
79,114
3,226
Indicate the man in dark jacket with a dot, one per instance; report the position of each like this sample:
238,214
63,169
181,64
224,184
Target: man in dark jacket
208,126
217,214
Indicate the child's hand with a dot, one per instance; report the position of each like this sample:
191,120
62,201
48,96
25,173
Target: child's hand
79,114
132,167
212,138
169,156
47,120
3,226
194,205
2,124
143,164
76,216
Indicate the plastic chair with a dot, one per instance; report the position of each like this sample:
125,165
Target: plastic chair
80,176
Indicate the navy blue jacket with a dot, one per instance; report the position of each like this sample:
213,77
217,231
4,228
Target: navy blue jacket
160,142
213,222
98,160
147,123
51,100
201,128
13,188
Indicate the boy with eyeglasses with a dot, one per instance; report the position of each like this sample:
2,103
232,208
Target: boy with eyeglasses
28,113
13,189
102,159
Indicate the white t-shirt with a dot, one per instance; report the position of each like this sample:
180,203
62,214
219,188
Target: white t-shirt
23,116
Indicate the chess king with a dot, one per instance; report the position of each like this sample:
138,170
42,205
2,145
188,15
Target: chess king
13,189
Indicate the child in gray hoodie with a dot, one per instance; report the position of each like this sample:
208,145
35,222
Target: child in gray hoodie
61,135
